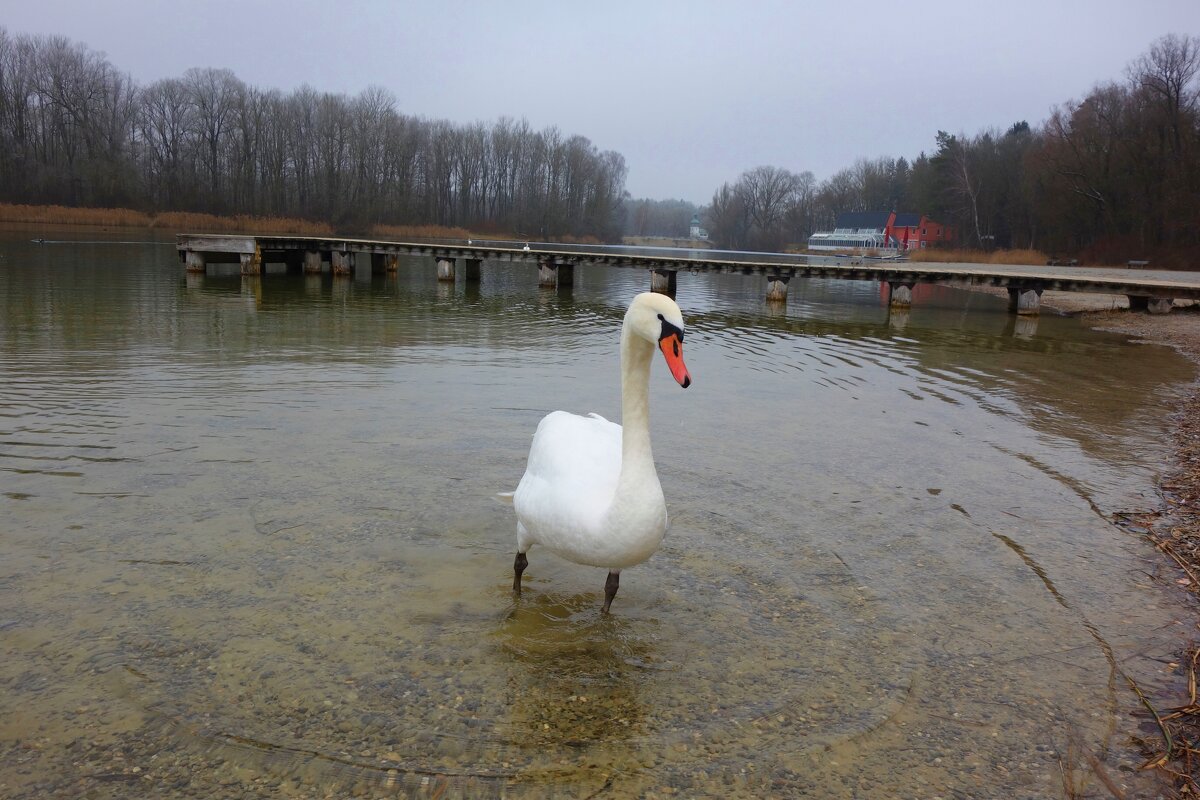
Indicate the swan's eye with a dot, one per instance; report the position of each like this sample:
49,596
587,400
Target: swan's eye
669,330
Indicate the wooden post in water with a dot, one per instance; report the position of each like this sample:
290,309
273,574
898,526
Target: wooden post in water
663,281
251,262
900,294
339,261
566,275
384,263
777,287
1026,301
471,269
1151,305
445,270
312,262
195,261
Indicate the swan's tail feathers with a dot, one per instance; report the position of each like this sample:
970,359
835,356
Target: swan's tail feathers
594,415
505,497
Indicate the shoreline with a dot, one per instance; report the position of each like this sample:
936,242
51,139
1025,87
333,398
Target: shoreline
1174,527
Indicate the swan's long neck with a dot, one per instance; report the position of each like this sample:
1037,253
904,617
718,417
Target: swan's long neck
637,460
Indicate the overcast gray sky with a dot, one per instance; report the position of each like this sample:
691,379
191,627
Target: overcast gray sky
691,93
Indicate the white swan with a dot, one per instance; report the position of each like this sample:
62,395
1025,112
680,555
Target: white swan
590,492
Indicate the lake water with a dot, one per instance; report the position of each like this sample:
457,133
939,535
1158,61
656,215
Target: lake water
249,546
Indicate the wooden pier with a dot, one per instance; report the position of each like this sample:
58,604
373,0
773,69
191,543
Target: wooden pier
1154,292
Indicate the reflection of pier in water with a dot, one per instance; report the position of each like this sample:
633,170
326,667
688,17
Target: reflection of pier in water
1153,291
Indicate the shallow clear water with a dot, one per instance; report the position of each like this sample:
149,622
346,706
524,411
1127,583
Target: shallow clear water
249,543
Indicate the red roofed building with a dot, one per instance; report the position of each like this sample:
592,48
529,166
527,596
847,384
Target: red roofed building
878,230
914,231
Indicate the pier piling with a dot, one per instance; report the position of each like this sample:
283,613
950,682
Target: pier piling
566,275
663,281
339,261
251,262
1026,301
777,286
312,262
1149,304
900,294
382,263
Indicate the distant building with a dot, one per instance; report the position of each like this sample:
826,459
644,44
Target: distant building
694,230
881,230
914,231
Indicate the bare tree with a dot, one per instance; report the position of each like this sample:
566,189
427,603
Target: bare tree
1167,72
214,96
729,217
769,192
166,125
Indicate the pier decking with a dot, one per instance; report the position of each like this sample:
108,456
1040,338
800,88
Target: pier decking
1153,291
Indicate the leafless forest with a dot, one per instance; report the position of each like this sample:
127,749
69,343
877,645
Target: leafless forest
75,130
1115,175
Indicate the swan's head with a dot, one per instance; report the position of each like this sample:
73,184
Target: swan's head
657,319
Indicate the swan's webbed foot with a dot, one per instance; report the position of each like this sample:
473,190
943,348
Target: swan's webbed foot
610,589
518,567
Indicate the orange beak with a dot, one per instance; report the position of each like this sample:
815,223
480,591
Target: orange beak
672,349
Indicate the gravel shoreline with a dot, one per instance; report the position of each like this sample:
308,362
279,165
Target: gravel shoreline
1174,528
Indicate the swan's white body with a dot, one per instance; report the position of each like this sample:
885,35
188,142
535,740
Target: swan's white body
590,492
568,500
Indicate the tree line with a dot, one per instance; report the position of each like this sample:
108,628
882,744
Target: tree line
1110,177
1115,175
75,130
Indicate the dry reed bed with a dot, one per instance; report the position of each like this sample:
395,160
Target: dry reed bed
423,232
62,215
978,256
443,232
175,220
241,223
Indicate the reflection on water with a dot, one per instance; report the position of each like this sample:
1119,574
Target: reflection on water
250,546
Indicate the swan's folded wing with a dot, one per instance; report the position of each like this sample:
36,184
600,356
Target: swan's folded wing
573,467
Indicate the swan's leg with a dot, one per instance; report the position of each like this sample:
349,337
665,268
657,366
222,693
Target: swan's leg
610,589
518,567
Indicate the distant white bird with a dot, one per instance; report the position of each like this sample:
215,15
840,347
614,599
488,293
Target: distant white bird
526,247
590,492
